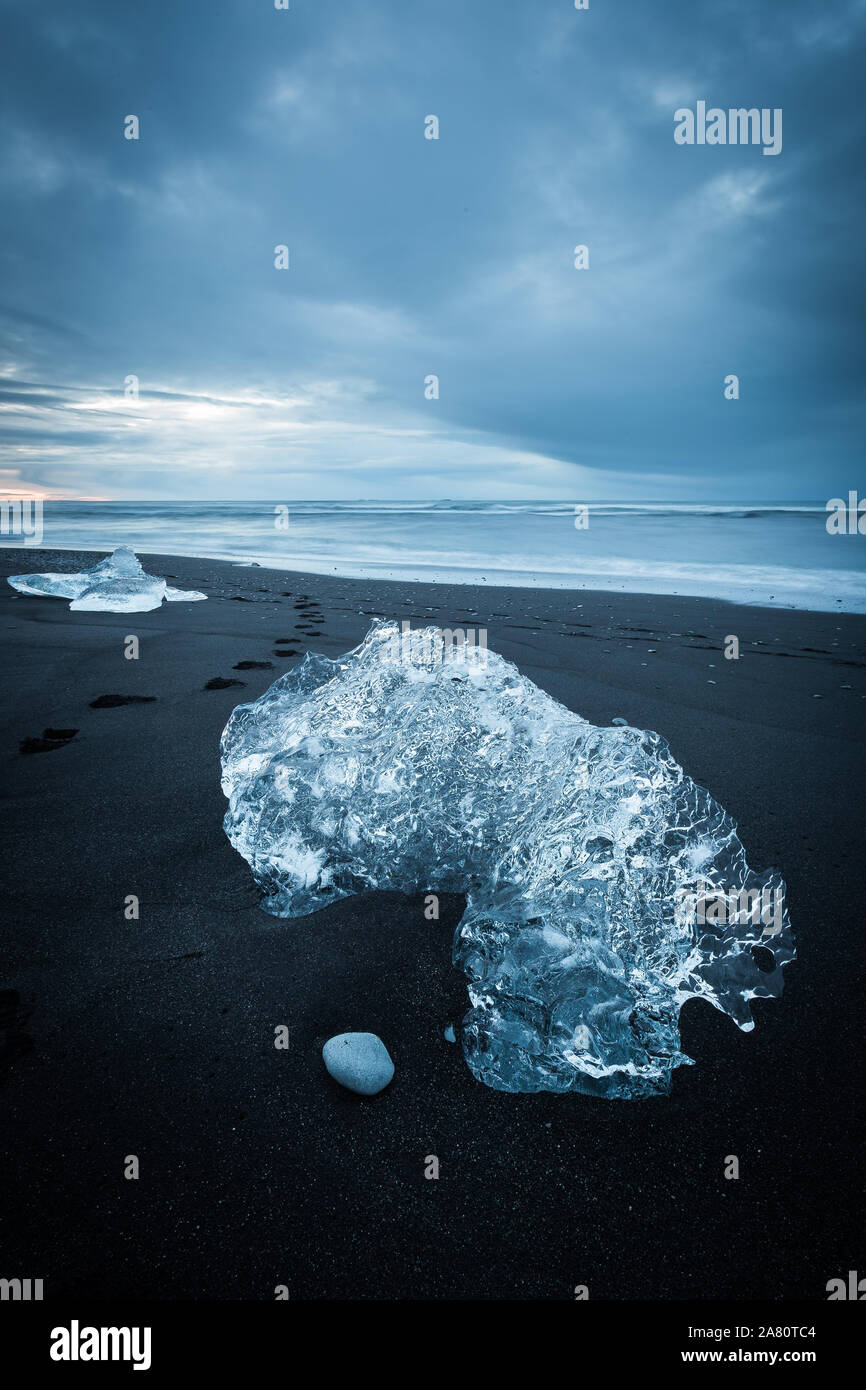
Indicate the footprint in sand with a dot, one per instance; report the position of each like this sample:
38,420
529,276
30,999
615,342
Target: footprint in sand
51,738
253,666
114,701
220,683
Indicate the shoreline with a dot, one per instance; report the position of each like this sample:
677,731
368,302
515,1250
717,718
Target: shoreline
523,581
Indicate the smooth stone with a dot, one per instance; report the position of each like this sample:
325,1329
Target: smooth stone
359,1061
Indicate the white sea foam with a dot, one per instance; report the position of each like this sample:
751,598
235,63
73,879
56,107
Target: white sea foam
763,553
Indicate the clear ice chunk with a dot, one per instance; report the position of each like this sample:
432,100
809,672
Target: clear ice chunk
604,888
183,595
118,584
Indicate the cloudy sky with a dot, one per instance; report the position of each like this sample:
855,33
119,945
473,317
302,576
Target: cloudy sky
411,257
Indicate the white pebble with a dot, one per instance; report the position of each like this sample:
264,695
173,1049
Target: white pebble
359,1061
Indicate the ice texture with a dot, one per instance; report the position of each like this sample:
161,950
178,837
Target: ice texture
582,851
118,584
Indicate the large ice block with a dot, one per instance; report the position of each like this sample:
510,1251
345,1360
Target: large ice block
604,888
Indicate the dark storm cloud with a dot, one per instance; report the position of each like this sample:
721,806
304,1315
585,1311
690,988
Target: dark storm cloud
410,257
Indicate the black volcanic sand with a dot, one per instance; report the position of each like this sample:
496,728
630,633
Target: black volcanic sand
155,1037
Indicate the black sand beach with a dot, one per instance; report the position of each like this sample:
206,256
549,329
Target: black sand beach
155,1037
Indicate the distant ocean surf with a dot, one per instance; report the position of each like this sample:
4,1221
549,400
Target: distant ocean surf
773,554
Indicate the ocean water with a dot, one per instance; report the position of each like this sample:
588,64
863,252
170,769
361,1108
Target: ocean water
774,554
